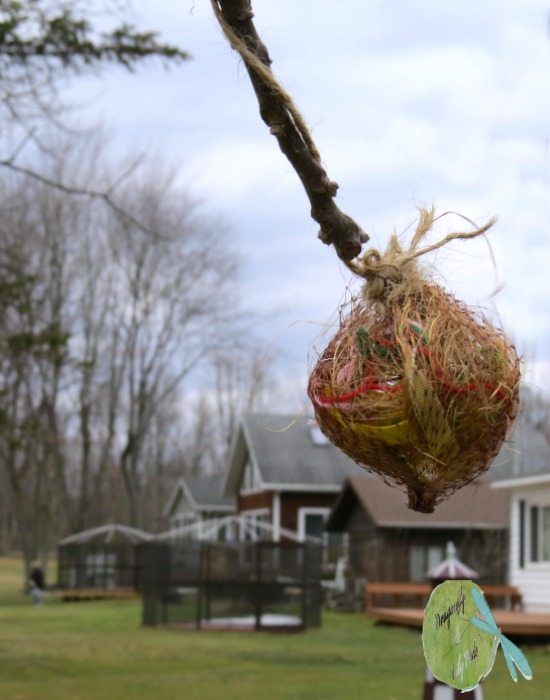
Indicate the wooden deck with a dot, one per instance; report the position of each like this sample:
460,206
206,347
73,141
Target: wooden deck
511,622
407,602
418,593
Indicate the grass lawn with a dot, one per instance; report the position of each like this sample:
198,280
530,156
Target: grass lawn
96,650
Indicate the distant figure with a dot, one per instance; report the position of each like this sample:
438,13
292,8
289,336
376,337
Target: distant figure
36,583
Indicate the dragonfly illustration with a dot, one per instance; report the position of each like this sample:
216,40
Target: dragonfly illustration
512,653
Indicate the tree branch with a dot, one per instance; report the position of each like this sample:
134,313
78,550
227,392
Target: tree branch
83,192
288,126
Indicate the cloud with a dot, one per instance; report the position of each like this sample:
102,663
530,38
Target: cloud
409,102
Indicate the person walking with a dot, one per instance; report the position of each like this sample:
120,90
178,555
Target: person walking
36,582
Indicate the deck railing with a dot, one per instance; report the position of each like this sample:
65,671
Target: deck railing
415,595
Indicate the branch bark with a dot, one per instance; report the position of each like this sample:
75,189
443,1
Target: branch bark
287,125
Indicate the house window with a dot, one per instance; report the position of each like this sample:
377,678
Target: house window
422,558
521,517
311,522
539,533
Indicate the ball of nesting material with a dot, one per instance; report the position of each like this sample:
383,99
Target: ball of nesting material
420,389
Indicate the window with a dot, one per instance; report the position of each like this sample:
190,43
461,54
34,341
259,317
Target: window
521,516
534,510
314,525
422,558
539,534
311,522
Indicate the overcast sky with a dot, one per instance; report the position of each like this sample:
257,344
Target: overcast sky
410,102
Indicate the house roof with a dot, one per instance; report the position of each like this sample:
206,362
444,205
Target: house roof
525,453
203,493
288,453
475,506
534,481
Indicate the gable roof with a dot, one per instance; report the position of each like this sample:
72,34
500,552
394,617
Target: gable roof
475,506
287,455
203,493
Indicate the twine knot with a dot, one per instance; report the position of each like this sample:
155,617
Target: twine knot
390,274
382,272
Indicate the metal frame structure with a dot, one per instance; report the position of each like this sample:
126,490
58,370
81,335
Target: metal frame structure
259,585
105,558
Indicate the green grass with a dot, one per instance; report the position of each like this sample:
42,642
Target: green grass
96,650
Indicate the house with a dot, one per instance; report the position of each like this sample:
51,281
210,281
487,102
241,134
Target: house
527,482
529,554
197,501
282,471
390,542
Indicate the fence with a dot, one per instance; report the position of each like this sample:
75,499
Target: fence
106,566
260,585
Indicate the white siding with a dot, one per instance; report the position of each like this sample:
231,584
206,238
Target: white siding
533,580
183,512
250,481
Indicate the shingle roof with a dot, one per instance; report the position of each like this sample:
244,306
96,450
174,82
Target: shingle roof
285,452
526,452
474,506
205,493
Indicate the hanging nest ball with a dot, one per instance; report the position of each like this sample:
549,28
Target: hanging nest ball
415,386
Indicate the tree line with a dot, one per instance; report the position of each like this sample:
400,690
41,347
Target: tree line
111,296
101,321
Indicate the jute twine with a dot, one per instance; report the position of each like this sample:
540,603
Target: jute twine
415,386
263,71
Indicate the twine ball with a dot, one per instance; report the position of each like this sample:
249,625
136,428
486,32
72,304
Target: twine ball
415,386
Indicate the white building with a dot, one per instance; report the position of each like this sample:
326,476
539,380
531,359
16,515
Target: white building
529,558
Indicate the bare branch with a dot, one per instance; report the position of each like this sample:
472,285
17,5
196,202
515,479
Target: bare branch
84,192
288,126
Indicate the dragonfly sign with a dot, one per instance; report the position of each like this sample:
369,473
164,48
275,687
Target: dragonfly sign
461,637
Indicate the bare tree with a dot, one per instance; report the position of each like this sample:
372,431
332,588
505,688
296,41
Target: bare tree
44,44
102,321
236,379
176,289
33,354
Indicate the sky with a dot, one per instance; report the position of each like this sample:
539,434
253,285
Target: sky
410,102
